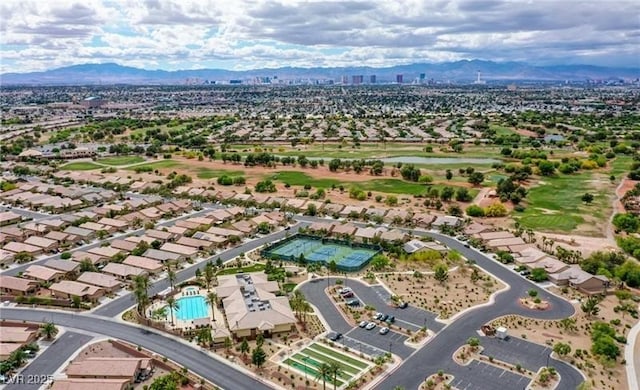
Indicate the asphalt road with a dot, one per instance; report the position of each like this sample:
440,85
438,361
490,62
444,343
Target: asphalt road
117,306
314,292
437,353
197,361
38,371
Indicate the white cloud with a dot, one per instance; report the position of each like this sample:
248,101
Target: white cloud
243,34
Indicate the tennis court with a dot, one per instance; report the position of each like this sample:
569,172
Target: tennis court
348,256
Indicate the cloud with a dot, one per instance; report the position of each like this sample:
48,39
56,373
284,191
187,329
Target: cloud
243,34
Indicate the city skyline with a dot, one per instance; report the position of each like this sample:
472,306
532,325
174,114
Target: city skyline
173,35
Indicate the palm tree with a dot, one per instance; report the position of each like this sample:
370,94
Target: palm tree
141,283
18,357
209,275
172,304
212,299
324,372
335,369
49,330
171,275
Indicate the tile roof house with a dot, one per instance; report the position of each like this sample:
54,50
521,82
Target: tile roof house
108,282
123,245
182,250
123,271
18,247
94,384
581,280
200,245
162,255
150,265
106,368
46,244
66,266
17,286
42,273
105,251
66,289
94,259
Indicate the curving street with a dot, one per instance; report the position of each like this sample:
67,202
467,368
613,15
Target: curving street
199,362
417,364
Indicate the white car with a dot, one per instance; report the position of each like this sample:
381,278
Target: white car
364,324
384,330
370,326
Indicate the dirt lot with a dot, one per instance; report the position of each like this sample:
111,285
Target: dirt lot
551,332
458,293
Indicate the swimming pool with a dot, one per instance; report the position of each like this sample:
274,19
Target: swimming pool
190,308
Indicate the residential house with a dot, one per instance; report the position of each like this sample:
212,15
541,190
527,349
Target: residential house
9,218
95,384
345,229
123,271
116,224
17,286
18,247
109,368
66,289
123,245
162,256
42,274
6,257
94,259
200,245
394,235
70,268
63,239
107,282
183,250
150,265
84,234
161,235
46,244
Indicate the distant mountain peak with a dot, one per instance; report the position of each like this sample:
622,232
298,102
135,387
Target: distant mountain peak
458,71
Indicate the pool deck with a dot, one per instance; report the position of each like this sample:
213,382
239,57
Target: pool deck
218,325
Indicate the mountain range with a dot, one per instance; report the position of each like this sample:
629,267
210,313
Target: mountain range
460,71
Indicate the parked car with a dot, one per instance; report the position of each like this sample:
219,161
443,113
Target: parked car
525,272
348,295
378,315
334,336
345,290
384,330
384,317
363,324
353,302
370,326
390,320
403,305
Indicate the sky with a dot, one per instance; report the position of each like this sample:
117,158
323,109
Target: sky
248,34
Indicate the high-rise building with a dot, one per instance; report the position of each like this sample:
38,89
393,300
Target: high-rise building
399,78
422,77
372,79
357,80
345,80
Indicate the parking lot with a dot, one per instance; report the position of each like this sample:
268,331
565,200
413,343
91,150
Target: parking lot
412,317
515,350
392,341
480,376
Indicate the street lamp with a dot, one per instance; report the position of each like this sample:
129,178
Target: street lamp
390,345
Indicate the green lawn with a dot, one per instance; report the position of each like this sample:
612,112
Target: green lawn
207,173
233,271
157,165
121,160
502,130
339,356
80,166
620,165
348,369
555,204
389,186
